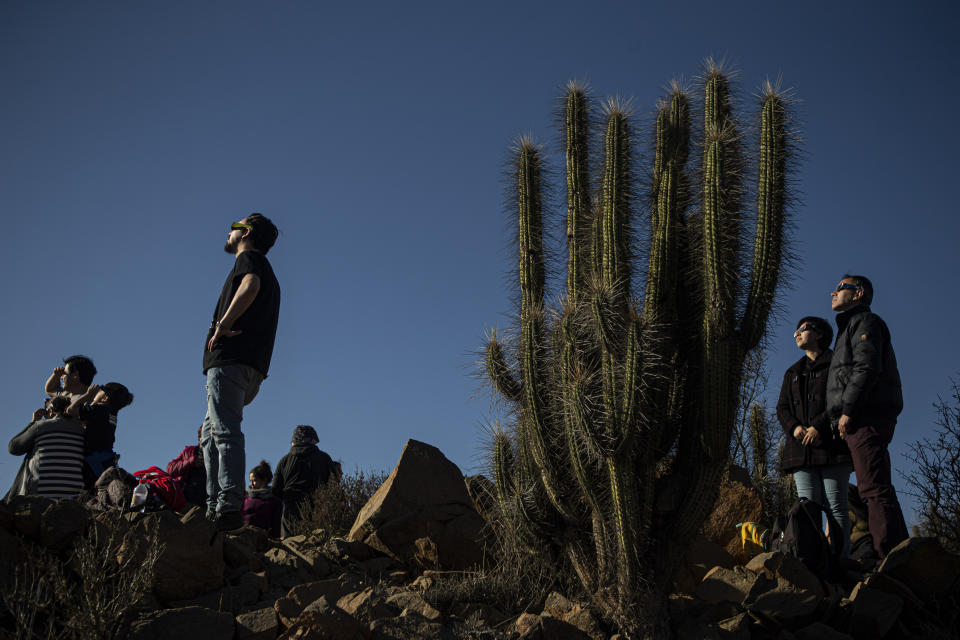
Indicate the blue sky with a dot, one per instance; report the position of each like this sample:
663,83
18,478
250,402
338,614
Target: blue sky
375,135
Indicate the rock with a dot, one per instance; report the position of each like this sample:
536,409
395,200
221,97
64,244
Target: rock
424,496
558,606
62,523
285,569
409,627
924,566
411,601
188,622
787,567
308,550
873,612
726,585
292,605
323,621
784,591
26,512
376,567
367,605
533,627
349,550
13,557
701,556
261,624
736,502
233,597
820,631
240,551
190,562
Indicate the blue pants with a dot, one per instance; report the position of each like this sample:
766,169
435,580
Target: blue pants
229,389
827,486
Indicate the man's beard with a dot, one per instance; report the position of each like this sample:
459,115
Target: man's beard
230,247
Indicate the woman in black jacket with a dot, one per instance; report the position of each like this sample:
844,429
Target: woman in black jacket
816,456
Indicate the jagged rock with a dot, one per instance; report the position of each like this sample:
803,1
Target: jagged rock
323,621
347,550
873,612
62,523
367,605
261,624
409,627
424,496
292,605
736,502
412,602
307,549
924,566
188,622
820,631
726,585
240,549
232,597
701,556
534,627
787,567
26,512
376,567
558,606
285,569
190,562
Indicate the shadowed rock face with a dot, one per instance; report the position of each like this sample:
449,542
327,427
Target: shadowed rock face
423,511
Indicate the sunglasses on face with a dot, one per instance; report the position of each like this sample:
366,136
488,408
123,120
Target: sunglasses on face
802,328
847,285
240,225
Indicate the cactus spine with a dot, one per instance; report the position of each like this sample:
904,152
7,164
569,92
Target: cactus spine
624,414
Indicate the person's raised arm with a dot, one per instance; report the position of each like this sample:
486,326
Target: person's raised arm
79,401
242,299
52,385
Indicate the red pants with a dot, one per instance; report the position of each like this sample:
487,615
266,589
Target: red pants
871,462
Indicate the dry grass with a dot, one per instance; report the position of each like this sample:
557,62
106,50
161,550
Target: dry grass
86,594
334,507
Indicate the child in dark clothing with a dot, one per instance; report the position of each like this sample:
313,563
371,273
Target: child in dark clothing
260,507
97,409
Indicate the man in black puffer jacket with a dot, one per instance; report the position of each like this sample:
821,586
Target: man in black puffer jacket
864,399
298,475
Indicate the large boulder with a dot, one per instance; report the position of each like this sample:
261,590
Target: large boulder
736,502
423,506
188,622
190,561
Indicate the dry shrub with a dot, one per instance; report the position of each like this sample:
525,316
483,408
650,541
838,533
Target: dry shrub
86,594
334,506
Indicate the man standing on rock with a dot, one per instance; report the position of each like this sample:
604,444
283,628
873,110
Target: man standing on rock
236,357
864,399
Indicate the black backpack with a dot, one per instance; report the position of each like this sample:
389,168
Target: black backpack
799,534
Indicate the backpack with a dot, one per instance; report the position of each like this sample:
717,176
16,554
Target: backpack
163,485
800,535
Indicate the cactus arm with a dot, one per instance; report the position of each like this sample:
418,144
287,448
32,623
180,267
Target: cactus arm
578,189
499,372
771,205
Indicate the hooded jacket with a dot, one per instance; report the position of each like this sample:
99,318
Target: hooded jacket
863,382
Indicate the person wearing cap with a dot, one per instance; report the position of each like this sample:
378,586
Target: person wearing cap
864,398
304,468
236,357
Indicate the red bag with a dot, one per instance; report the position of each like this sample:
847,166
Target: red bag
163,485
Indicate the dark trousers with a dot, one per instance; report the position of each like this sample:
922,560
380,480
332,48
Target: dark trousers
871,462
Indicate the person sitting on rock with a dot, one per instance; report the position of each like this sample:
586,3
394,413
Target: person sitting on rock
260,507
298,475
55,448
188,471
97,409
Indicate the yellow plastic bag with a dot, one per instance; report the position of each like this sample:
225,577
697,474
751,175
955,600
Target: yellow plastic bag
754,539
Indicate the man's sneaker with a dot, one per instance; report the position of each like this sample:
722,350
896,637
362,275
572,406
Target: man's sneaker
228,521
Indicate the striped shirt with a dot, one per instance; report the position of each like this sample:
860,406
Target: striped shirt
58,458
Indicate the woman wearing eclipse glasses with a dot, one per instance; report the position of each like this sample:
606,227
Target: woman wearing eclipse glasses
814,453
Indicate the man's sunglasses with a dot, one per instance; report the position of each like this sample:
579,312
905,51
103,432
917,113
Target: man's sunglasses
847,285
240,225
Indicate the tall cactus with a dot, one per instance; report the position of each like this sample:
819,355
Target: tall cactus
624,409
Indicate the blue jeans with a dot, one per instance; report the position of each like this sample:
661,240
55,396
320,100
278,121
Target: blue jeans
229,389
827,486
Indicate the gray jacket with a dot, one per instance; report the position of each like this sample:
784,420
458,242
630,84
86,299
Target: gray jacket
863,381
